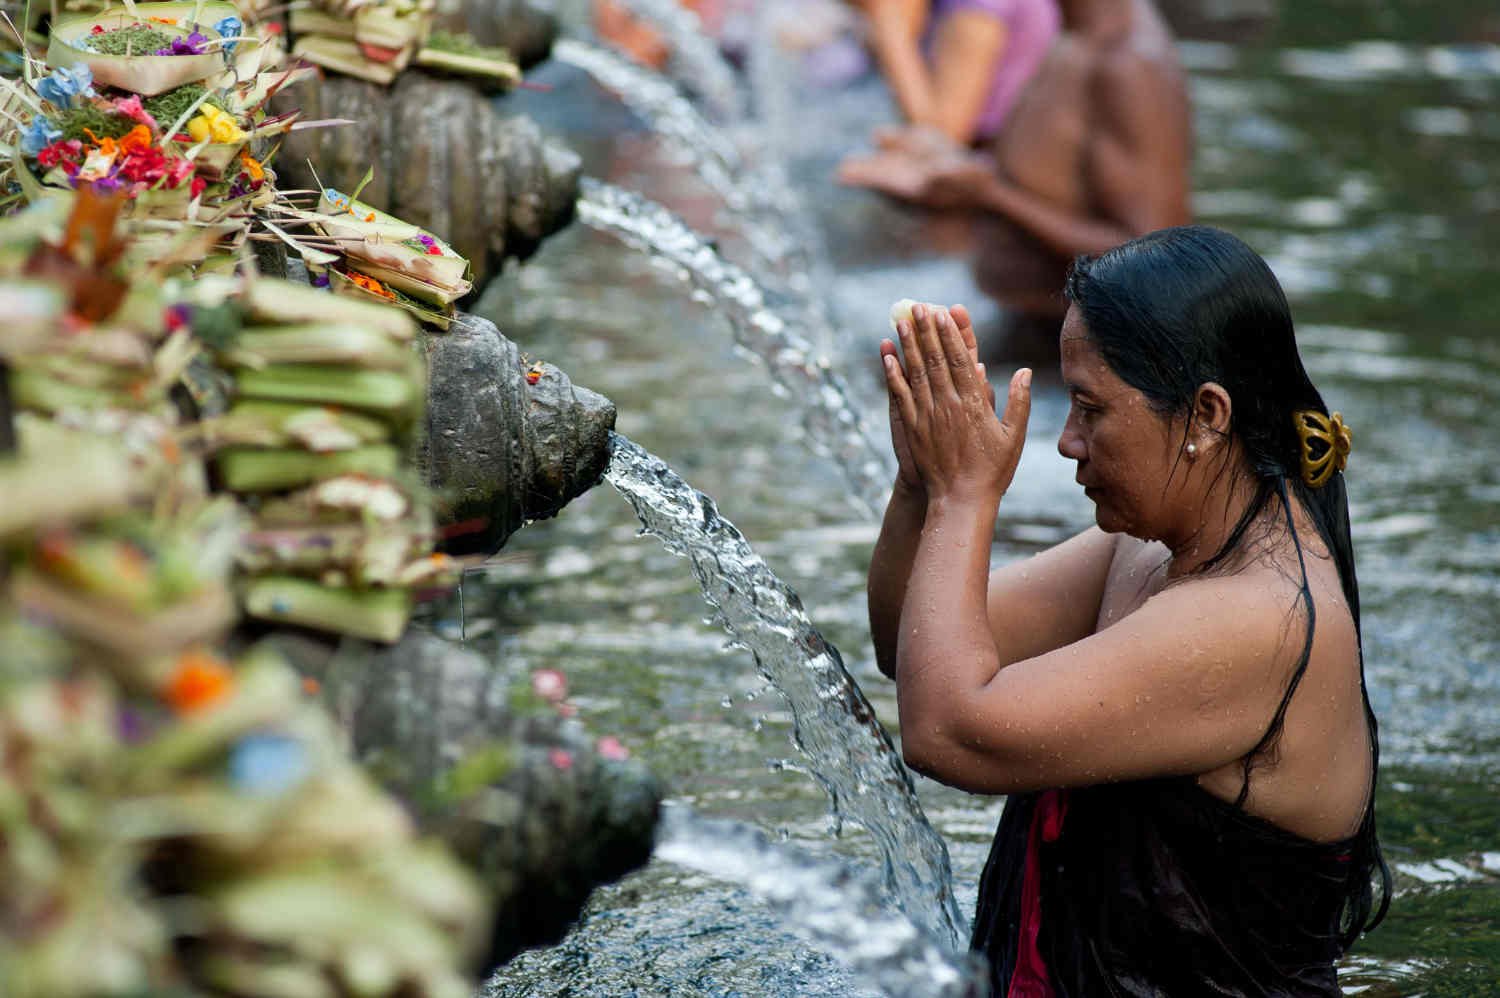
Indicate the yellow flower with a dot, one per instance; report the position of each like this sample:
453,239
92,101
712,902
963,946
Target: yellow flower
214,125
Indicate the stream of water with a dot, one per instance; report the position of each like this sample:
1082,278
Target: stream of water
831,904
833,725
803,376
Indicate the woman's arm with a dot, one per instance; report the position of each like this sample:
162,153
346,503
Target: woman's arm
890,568
950,94
1183,685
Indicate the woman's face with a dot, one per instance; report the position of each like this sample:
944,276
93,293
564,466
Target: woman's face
1128,454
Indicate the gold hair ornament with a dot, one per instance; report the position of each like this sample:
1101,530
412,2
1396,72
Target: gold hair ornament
1326,443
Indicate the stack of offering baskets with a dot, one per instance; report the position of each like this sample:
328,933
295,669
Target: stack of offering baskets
373,41
327,391
176,822
164,102
90,351
359,251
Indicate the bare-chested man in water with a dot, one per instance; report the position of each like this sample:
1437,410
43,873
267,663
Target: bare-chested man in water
1095,153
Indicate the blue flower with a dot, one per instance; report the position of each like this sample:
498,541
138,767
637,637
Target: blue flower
38,135
268,764
229,27
64,85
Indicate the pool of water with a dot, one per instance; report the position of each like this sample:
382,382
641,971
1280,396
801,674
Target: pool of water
1357,146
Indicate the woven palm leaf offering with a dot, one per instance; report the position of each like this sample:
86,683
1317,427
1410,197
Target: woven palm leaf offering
180,824
362,252
372,41
376,40
164,102
328,392
89,350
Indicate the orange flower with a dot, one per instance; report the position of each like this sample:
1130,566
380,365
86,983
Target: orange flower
107,146
371,285
131,562
252,166
136,139
163,20
199,681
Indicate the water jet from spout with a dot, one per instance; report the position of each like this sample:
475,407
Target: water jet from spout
849,753
828,416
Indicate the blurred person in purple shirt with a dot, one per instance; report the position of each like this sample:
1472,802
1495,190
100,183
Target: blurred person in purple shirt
956,67
1095,150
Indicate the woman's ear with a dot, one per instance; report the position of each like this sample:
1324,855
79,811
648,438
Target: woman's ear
1212,409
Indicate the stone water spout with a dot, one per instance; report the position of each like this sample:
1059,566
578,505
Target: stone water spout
508,439
444,158
528,799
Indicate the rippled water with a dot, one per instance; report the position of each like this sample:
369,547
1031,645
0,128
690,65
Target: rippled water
1358,147
833,904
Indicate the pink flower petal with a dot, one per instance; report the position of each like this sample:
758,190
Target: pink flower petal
610,747
561,759
549,684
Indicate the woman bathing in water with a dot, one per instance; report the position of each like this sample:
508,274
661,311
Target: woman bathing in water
1174,699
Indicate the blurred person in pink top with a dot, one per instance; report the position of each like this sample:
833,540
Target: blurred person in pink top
956,67
1094,151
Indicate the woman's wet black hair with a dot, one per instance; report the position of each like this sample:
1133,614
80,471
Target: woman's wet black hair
1180,307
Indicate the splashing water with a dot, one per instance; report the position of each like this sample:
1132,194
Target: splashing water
696,60
833,725
829,419
768,213
826,902
706,147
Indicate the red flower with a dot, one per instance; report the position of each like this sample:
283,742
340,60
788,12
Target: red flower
198,184
179,170
146,165
59,151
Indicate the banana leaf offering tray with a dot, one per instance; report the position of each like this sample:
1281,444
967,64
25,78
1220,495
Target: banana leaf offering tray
356,250
163,102
183,822
376,41
327,391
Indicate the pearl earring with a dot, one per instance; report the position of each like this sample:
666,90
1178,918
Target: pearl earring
1192,450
